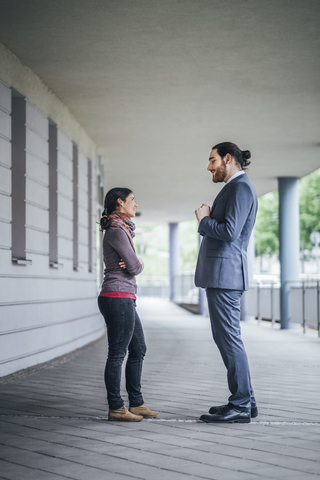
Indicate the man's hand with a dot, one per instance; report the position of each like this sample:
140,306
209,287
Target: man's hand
203,211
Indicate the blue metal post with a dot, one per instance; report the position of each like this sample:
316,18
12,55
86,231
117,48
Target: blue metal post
289,243
174,256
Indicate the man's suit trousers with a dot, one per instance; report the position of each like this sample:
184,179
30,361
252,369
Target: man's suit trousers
224,310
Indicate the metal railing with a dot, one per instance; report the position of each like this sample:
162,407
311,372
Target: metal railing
185,290
153,286
263,301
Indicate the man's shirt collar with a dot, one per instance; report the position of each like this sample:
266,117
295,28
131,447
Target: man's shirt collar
235,175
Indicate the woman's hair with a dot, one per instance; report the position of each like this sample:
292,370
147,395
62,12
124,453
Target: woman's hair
241,156
111,204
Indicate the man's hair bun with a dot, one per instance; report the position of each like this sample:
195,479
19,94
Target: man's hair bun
240,156
246,154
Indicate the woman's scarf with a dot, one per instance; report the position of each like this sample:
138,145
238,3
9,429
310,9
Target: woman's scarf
122,220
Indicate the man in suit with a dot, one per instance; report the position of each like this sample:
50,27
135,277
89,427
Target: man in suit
222,270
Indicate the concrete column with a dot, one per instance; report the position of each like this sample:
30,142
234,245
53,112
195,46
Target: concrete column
289,243
202,292
174,256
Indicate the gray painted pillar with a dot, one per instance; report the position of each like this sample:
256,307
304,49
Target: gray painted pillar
289,243
174,256
202,292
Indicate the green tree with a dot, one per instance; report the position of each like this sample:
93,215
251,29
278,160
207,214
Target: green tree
309,193
189,244
266,230
152,244
267,222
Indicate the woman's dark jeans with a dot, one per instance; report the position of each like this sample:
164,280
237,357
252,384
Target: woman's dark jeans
124,334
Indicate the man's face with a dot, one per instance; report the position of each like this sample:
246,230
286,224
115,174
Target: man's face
217,167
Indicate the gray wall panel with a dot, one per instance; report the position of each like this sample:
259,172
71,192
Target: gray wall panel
65,247
37,121
83,235
37,145
37,193
37,217
83,181
5,207
65,186
47,314
37,242
37,169
5,180
5,152
5,235
65,207
36,342
65,227
5,97
64,146
83,163
64,165
47,290
83,253
5,125
83,200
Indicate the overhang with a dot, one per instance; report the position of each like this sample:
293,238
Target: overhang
157,83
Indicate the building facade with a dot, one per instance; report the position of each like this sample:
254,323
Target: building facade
48,214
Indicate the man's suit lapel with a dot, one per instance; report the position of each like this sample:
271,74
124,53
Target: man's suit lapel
223,190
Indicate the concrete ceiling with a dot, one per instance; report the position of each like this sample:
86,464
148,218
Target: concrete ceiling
157,83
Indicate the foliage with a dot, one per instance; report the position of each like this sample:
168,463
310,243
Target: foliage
309,192
267,225
189,244
152,245
266,230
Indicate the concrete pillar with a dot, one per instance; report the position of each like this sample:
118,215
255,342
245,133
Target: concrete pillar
289,243
174,256
202,292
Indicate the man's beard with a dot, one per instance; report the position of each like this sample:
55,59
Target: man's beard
220,174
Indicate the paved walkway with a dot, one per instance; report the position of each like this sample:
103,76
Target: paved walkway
53,422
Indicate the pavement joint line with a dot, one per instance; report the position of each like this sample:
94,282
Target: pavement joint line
252,423
170,420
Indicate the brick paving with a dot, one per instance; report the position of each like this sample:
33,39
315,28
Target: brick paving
53,420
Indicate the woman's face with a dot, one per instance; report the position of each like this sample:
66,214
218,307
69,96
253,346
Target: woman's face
129,206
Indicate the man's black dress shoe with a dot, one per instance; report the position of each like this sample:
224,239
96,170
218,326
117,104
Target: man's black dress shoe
213,410
227,414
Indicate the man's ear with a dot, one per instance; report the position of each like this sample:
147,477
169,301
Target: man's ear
227,158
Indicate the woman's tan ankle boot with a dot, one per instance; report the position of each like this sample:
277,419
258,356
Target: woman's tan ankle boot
122,415
144,411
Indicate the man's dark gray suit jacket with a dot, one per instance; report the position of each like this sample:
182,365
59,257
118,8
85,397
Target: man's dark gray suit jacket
222,260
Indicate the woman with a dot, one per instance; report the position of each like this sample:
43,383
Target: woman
117,305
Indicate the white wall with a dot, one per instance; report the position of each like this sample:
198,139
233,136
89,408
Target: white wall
44,312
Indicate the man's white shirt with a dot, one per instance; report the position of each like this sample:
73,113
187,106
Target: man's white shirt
235,175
